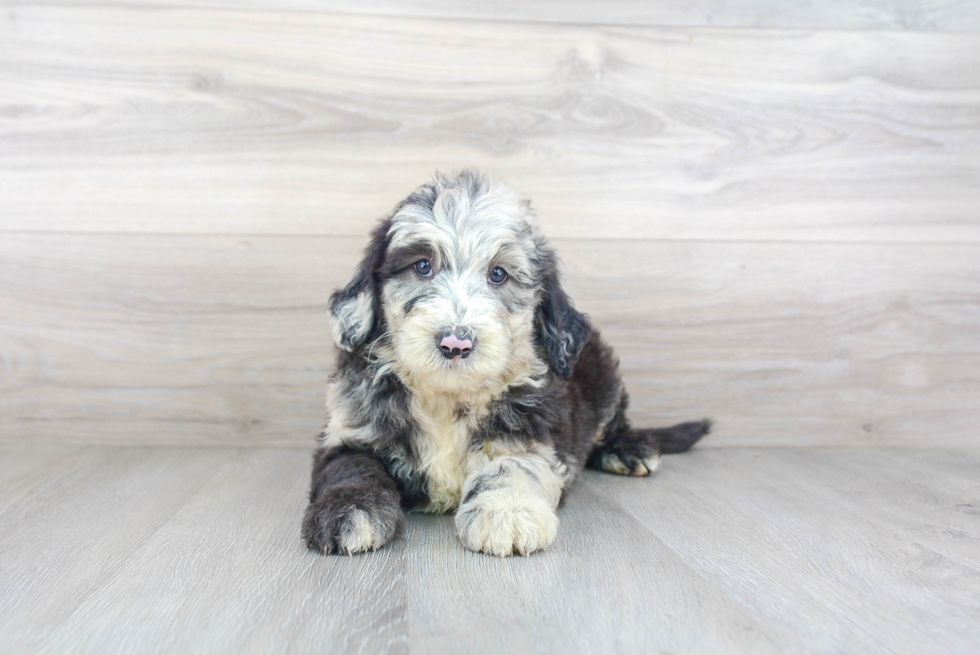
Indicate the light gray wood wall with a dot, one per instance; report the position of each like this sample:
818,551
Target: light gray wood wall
775,221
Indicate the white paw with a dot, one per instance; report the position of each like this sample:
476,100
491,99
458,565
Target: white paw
358,534
509,506
524,527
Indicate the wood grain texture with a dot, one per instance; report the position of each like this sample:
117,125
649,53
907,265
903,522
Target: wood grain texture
74,523
152,550
923,581
800,536
188,550
172,340
944,15
769,209
225,340
920,15
215,121
608,586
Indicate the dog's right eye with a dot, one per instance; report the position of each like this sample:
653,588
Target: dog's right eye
423,268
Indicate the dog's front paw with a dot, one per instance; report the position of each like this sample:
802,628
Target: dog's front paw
522,526
336,525
509,506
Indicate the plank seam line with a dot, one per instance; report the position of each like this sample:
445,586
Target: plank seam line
308,235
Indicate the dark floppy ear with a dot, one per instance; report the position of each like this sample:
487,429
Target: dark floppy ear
355,310
562,330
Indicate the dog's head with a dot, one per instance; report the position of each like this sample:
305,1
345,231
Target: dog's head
458,290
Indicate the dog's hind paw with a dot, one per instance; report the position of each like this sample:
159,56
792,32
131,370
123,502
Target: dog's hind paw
623,464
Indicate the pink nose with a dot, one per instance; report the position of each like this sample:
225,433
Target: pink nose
451,345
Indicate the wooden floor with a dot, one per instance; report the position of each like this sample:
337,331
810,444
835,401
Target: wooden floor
196,550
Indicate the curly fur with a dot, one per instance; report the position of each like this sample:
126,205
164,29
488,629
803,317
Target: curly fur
496,436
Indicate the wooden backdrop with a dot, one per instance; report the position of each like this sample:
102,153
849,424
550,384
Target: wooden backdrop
770,208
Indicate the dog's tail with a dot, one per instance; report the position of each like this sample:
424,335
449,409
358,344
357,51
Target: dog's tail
676,439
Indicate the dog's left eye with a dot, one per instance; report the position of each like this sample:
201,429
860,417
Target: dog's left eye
423,268
497,276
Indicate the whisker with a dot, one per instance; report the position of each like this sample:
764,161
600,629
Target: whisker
371,348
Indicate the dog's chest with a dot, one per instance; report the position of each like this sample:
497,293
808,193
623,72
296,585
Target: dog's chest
443,446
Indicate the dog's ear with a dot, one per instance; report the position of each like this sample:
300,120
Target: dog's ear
355,310
561,329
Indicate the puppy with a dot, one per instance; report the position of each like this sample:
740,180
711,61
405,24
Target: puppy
466,381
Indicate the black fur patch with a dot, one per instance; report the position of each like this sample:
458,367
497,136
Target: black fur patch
562,330
524,414
414,301
484,482
366,280
344,481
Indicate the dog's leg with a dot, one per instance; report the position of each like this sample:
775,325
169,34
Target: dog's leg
354,504
509,506
630,451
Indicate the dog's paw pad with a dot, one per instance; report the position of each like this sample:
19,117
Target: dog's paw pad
506,531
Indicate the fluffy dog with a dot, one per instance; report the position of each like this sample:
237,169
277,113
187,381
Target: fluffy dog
466,381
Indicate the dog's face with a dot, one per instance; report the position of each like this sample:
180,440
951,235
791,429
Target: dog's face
457,291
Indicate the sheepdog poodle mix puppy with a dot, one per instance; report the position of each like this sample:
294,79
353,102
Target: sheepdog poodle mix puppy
466,381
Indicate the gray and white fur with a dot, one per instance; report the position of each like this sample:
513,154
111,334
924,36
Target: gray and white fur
466,382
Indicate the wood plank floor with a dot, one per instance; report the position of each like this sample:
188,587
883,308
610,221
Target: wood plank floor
196,550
